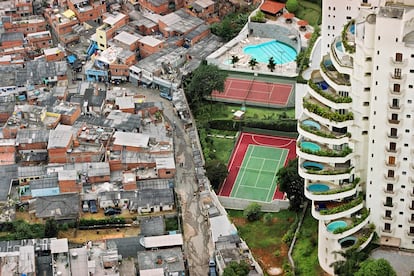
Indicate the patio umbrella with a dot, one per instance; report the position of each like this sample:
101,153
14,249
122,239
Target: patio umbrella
308,35
302,23
288,15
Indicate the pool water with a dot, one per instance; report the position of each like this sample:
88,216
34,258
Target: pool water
313,166
311,123
348,241
281,52
310,146
339,46
323,85
352,29
331,227
318,187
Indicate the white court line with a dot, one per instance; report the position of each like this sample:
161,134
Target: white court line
242,176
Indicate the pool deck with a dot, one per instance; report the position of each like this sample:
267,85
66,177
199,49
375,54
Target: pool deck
236,45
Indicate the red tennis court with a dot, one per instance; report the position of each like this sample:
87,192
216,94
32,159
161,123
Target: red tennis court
254,91
245,139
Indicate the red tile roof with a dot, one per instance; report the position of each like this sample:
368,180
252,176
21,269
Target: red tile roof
272,7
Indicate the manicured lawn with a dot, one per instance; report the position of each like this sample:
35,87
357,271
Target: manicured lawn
305,252
310,12
224,147
225,111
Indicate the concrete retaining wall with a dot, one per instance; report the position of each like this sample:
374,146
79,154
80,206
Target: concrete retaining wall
241,204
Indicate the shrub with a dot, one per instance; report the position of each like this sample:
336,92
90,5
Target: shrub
292,5
252,211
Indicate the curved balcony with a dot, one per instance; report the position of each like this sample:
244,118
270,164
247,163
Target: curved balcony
354,224
397,78
324,155
390,219
396,150
410,221
390,192
334,210
393,123
324,93
348,37
336,80
410,234
391,179
410,193
389,205
410,207
387,232
398,63
391,166
324,114
393,138
397,94
323,171
363,237
322,134
342,61
325,191
395,108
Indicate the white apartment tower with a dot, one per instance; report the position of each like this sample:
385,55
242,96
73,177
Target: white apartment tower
356,141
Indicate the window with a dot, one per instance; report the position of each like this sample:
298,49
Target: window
391,161
410,86
408,116
394,132
365,118
393,146
395,103
365,104
409,101
387,227
394,117
365,132
388,213
391,174
397,73
407,131
397,87
398,57
388,201
379,38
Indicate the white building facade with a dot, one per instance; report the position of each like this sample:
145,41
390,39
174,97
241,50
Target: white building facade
355,144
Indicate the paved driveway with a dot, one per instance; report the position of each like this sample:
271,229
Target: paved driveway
402,262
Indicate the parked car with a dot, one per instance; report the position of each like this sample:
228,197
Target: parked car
212,268
92,206
85,206
112,211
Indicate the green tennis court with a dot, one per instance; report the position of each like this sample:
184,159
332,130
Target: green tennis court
256,179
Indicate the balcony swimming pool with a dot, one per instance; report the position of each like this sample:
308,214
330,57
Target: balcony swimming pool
313,166
281,52
331,227
310,146
312,124
318,188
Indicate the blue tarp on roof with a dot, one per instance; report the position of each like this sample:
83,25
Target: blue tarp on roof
71,59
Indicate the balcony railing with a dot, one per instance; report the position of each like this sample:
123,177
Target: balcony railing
342,207
348,37
340,189
399,63
327,152
356,220
328,95
326,112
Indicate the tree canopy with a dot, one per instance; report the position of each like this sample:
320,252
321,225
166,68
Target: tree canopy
252,211
292,184
236,269
230,26
216,172
292,5
204,80
380,267
350,262
271,65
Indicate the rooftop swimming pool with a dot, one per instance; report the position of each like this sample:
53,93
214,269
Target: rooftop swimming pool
281,52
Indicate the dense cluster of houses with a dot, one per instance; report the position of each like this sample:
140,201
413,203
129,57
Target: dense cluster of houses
69,137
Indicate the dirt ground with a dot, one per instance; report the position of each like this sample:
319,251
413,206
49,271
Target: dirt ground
265,256
82,236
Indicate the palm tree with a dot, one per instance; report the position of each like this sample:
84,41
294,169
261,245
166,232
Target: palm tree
234,60
350,263
252,63
272,64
